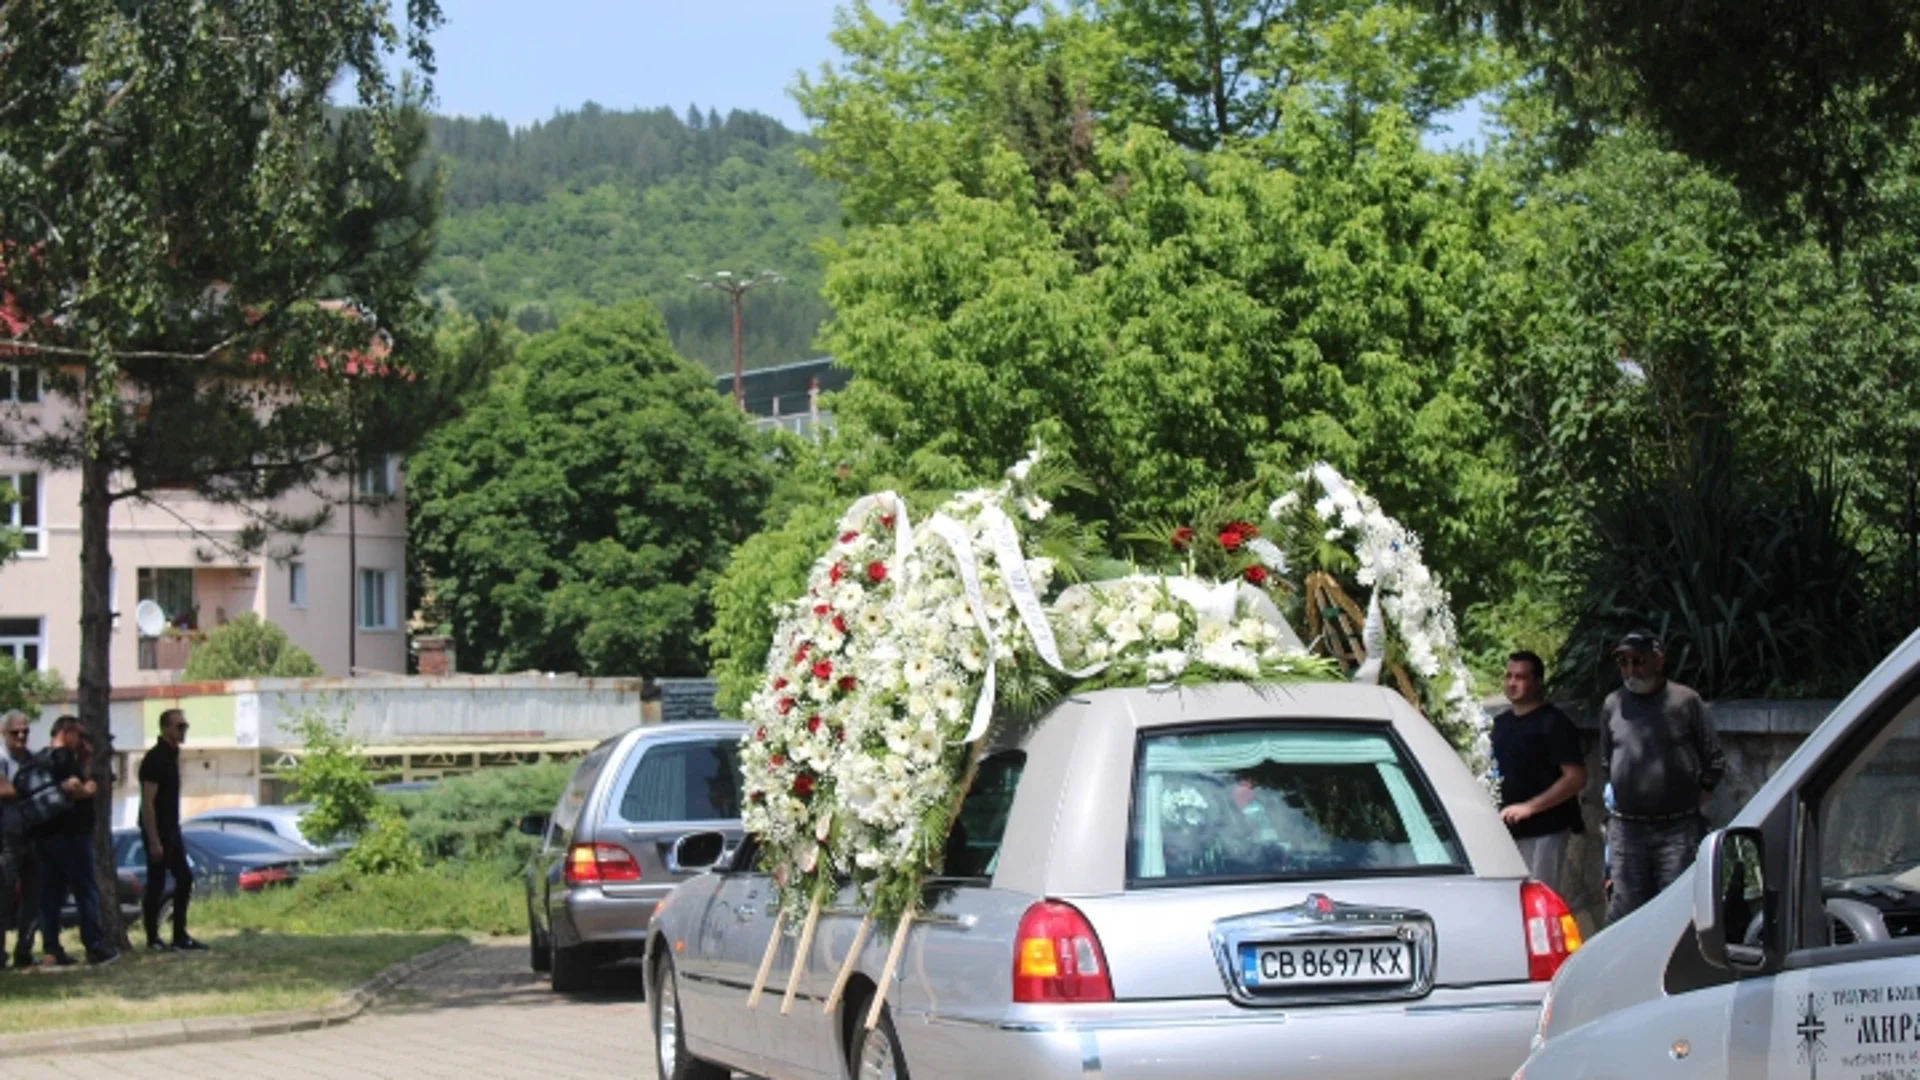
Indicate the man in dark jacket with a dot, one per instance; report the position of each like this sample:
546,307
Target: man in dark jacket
20,879
64,846
1664,759
160,825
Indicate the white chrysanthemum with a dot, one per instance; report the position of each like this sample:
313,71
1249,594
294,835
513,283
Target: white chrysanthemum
1166,626
1166,664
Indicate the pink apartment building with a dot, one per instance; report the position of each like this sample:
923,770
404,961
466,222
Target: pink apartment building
339,592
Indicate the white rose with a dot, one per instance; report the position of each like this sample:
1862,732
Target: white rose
1166,626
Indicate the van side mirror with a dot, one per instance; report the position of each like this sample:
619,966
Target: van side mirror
1730,910
535,824
695,852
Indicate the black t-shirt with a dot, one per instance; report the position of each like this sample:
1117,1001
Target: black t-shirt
1530,750
77,819
161,766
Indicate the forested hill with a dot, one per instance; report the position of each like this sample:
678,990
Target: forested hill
598,206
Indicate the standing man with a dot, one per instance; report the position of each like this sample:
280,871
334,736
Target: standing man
160,823
1542,770
19,870
64,846
1664,759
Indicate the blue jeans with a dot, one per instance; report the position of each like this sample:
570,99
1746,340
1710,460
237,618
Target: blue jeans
66,865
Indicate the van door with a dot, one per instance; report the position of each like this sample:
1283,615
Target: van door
1845,1000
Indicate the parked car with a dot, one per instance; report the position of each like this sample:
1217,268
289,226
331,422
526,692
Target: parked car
222,860
1226,881
1792,947
605,856
281,821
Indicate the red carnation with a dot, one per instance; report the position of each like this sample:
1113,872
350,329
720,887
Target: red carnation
849,537
1182,536
800,654
822,609
823,670
1233,538
813,722
785,706
840,623
803,785
837,573
776,761
847,682
887,520
761,735
780,684
877,571
1257,575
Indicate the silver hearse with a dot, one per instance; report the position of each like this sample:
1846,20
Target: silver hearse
1227,881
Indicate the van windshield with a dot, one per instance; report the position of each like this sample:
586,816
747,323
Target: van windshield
1279,801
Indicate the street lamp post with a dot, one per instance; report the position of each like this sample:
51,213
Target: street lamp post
737,286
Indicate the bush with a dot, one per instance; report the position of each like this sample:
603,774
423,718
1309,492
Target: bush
386,848
474,819
334,779
340,901
249,647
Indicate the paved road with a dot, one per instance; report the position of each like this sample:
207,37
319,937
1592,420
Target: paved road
482,1016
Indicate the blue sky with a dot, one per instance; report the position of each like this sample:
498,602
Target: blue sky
522,62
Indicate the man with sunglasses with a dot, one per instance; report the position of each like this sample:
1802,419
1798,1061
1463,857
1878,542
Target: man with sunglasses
160,823
19,870
1663,758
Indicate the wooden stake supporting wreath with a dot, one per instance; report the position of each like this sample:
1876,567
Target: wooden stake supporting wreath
800,955
1334,619
893,962
766,962
846,967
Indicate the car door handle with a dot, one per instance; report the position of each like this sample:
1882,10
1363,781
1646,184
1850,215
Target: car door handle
743,913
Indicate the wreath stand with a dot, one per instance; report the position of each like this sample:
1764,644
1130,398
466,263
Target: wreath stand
1334,623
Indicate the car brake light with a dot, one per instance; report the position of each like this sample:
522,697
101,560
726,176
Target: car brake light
1552,933
594,864
1058,957
255,880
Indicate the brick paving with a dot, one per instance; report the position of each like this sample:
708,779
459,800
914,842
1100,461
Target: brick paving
481,1016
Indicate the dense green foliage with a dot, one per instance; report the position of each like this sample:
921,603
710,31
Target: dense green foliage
474,819
249,647
26,689
575,518
600,207
341,901
331,776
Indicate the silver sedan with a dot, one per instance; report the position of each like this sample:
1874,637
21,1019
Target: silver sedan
1227,882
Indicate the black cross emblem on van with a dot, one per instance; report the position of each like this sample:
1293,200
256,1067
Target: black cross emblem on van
1812,1031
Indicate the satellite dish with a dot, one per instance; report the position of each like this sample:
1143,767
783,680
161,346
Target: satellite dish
150,618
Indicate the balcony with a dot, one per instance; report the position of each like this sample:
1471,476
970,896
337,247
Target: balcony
169,652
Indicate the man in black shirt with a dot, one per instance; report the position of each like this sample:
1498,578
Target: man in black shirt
1542,770
160,824
64,846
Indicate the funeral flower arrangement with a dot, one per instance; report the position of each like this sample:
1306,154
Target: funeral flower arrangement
884,677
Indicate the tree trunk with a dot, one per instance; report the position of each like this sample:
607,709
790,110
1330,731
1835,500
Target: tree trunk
96,650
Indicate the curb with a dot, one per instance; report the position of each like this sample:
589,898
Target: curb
201,1029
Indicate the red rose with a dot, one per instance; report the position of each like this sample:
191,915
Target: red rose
761,735
1231,539
813,722
837,573
800,655
803,785
847,683
822,609
785,706
849,537
1182,536
823,670
779,684
877,571
840,623
1257,575
776,761
887,520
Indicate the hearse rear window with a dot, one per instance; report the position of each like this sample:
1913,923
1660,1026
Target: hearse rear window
1265,802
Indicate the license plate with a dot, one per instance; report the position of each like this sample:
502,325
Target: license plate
1376,963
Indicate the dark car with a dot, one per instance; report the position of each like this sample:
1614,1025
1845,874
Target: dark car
226,861
605,859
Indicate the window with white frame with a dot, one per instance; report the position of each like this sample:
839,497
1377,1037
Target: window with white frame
19,384
379,600
21,640
26,512
380,476
297,584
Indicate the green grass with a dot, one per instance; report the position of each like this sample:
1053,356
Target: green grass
246,972
470,900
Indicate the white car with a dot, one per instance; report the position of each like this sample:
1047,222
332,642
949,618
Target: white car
282,821
1792,947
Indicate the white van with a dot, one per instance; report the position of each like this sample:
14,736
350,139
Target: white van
1792,948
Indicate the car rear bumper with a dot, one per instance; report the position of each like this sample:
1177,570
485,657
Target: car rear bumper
1479,1033
590,916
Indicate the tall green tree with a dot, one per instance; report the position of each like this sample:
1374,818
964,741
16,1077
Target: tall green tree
574,520
249,647
216,266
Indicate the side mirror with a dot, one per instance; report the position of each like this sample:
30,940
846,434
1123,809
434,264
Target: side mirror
695,852
535,824
1730,916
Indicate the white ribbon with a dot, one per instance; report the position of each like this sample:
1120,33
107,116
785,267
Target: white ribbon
1013,571
1269,553
887,503
955,535
1374,637
1335,484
